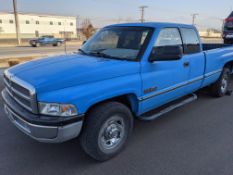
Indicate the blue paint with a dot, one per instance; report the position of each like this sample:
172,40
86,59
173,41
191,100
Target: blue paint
87,80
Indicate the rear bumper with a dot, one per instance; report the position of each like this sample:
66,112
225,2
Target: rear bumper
42,132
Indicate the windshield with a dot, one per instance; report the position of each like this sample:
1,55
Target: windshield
117,42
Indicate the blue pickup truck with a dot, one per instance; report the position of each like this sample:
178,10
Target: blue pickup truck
125,71
46,40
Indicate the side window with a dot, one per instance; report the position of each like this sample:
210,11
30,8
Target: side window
191,41
168,37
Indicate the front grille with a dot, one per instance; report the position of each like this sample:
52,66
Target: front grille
24,96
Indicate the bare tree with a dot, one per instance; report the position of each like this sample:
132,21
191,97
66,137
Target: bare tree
1,30
87,28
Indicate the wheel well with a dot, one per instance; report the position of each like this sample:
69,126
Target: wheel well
229,65
130,100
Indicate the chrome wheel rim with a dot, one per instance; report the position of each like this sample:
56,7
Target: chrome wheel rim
111,134
224,84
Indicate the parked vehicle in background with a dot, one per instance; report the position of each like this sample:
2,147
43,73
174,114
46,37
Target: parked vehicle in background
46,40
228,30
125,71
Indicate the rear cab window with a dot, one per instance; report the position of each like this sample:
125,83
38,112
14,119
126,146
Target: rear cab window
191,41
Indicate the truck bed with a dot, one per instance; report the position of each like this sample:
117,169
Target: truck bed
211,46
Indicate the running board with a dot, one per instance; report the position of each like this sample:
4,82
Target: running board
176,104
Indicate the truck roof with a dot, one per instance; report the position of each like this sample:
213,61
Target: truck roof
152,24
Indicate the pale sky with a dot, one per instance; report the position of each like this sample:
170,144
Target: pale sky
104,12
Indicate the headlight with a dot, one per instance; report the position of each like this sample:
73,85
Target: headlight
54,109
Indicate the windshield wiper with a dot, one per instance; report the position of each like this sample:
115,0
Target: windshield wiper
103,55
82,51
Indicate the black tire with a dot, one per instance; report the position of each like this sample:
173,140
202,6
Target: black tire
221,86
96,122
57,44
33,44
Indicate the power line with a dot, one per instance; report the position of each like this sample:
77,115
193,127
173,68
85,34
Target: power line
142,9
16,22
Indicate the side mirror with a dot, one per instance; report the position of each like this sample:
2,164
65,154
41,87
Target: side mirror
84,42
166,53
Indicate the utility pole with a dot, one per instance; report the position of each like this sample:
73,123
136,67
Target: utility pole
16,22
142,9
64,32
77,20
194,16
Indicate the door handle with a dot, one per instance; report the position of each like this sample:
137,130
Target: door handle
186,64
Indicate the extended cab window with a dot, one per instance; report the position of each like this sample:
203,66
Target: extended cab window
191,41
169,37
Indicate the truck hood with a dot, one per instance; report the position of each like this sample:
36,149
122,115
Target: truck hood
71,70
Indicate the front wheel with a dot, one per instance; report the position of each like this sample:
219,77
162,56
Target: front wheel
221,86
106,130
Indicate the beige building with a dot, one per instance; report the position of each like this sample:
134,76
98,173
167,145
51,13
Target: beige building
210,33
35,25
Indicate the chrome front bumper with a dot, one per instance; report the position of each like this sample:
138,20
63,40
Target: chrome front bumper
48,133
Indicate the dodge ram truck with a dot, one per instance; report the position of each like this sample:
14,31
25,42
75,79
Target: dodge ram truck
123,72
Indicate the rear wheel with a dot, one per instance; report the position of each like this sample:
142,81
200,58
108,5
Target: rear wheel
57,44
106,130
221,86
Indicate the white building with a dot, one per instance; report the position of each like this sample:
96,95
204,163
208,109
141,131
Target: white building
35,25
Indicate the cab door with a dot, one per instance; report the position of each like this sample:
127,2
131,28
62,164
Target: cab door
164,81
193,52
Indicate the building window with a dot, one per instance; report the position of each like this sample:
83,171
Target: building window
59,23
37,22
11,21
51,23
71,24
27,22
0,21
